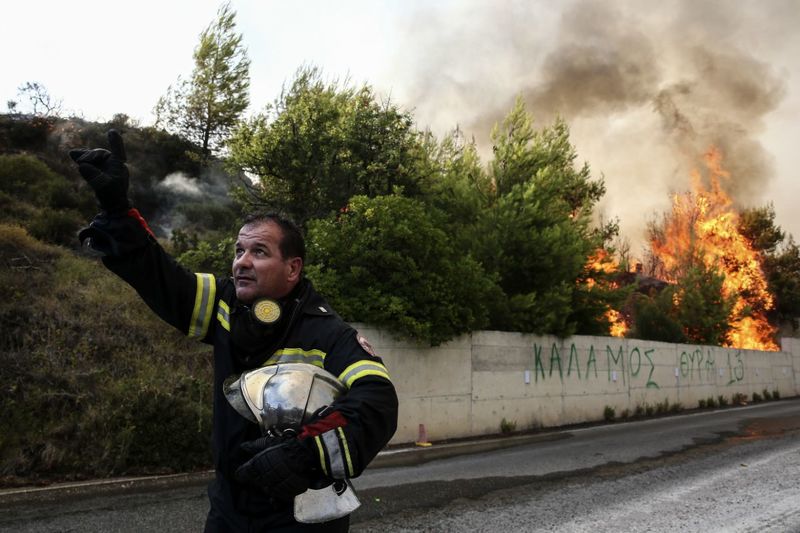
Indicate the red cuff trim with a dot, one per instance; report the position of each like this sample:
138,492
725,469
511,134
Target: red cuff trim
134,213
318,427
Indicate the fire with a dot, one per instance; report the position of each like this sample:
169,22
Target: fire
618,326
602,262
704,221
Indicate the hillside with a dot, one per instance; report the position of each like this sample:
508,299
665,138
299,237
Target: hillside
93,384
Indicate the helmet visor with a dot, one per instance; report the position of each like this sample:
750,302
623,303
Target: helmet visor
233,393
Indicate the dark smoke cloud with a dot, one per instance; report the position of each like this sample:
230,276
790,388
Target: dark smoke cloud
601,64
646,87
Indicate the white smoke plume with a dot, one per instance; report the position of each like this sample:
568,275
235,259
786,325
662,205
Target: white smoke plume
181,184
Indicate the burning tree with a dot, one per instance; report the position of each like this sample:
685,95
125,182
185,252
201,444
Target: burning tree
602,296
700,241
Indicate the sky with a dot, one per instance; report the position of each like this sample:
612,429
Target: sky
645,86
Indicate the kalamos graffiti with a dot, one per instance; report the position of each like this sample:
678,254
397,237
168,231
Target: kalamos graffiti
636,364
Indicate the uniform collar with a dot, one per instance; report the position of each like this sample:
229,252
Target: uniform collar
313,303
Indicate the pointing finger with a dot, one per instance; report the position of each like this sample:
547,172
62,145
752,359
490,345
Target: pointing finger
94,157
116,144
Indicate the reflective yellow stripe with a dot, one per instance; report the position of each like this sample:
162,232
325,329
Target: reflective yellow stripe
224,315
297,355
203,305
360,369
321,455
346,452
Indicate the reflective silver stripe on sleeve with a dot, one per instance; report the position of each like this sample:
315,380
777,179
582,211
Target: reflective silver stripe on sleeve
361,369
297,355
334,454
321,452
224,315
343,441
203,305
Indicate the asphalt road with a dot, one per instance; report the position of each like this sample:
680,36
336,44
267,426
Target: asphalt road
725,470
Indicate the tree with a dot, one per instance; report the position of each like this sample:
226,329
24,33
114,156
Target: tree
780,259
783,275
536,232
42,103
320,144
701,307
654,320
205,108
458,185
757,224
695,309
388,262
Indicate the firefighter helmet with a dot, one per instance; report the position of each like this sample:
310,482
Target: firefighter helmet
282,397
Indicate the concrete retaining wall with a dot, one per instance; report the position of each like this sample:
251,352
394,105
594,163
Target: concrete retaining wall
468,386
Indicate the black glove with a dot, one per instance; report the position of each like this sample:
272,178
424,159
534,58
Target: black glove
116,234
106,173
282,468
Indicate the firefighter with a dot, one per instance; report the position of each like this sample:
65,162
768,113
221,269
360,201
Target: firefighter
267,313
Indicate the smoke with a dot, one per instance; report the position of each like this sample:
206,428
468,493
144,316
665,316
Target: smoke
646,87
184,200
181,184
212,184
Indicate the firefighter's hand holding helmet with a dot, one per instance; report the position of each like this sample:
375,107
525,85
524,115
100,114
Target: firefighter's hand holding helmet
105,171
290,403
281,467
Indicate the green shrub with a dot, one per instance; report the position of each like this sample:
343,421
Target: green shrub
739,398
711,402
23,134
722,400
214,258
766,394
701,404
757,397
626,413
676,407
776,395
662,407
57,226
29,179
507,426
655,319
388,261
609,413
649,409
638,411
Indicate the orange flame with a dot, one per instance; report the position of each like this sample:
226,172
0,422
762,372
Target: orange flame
618,326
602,262
704,221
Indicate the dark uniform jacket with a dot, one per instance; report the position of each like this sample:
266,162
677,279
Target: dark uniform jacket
360,422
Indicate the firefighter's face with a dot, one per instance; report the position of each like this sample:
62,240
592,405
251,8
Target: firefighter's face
259,268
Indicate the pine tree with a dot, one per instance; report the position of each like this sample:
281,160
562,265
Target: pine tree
205,108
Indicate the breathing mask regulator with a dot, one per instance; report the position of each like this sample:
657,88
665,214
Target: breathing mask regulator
257,326
267,312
